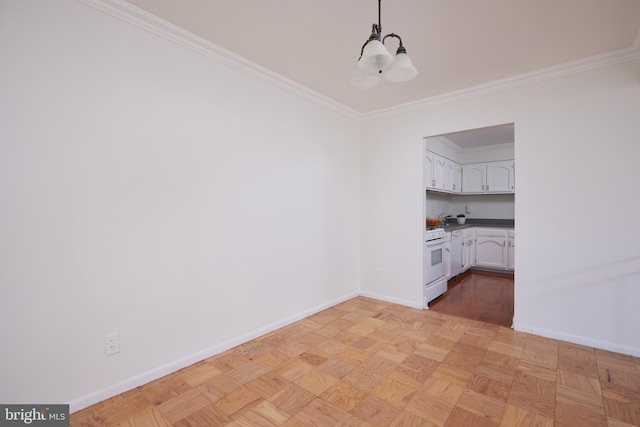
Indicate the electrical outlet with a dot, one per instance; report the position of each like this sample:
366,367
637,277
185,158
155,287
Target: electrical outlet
111,344
378,274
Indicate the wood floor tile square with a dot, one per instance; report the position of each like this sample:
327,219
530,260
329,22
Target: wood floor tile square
506,349
312,358
536,370
336,368
348,338
264,414
462,417
579,382
571,415
321,413
268,384
433,410
409,419
316,381
344,395
376,411
461,361
442,390
533,394
120,408
150,417
453,375
363,378
619,379
254,349
514,416
247,372
183,405
577,358
294,369
210,415
482,405
272,360
292,399
227,361
379,364
197,374
218,387
164,389
490,387
496,372
626,411
396,389
239,401
354,356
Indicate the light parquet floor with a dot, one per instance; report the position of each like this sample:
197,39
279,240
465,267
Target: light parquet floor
371,363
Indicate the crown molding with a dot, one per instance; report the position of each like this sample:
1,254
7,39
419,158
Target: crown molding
142,19
598,61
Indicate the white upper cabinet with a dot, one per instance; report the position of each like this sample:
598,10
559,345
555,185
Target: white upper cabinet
490,177
438,172
452,176
441,174
500,177
474,177
428,167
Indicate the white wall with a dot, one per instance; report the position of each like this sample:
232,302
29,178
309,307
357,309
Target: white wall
151,191
576,151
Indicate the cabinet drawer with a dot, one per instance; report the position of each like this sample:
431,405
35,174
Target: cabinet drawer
491,232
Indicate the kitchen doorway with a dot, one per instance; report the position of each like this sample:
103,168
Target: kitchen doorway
458,184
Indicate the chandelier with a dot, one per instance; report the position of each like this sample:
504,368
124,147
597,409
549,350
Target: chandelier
375,60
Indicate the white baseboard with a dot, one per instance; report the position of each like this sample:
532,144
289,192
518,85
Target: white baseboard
408,303
161,371
577,339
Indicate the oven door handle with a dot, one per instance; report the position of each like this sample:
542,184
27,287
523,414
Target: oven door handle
432,243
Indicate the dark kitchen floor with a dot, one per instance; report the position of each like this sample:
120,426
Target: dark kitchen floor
478,295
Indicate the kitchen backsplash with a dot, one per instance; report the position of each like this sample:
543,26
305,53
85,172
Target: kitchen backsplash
482,206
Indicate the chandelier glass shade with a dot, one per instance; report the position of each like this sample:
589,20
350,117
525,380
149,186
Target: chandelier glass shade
375,60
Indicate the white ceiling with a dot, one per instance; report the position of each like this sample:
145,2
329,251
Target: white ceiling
454,44
474,138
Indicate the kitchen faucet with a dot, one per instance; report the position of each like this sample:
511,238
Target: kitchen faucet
444,217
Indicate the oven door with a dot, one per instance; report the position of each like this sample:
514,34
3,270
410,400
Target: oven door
434,265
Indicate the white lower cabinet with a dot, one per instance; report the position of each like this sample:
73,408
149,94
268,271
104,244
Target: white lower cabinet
511,243
468,249
491,248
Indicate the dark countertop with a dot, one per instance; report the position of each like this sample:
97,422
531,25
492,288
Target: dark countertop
452,224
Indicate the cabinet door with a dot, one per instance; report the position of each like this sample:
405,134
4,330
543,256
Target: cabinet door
452,176
468,253
457,178
512,253
428,170
473,177
491,252
438,172
500,177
